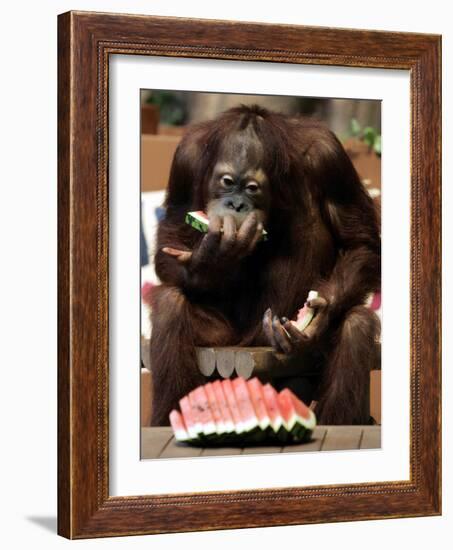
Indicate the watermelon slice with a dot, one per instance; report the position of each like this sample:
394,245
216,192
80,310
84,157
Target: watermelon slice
233,405
203,411
179,428
245,405
250,421
188,417
223,406
275,416
306,314
241,413
257,397
215,408
304,414
298,420
198,220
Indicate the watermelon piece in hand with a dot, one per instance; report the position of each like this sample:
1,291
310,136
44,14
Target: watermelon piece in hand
305,315
199,220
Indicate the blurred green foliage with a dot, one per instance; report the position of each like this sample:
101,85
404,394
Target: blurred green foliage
368,135
172,108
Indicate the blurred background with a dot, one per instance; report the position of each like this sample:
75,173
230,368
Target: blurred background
177,108
165,116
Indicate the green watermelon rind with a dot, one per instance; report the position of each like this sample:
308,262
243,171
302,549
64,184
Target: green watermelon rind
200,222
298,434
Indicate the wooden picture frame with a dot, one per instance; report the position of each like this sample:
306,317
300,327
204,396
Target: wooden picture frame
85,42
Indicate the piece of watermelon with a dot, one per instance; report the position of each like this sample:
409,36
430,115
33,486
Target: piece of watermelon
245,405
223,406
250,422
305,315
215,409
202,411
256,394
179,427
188,417
275,416
240,413
289,416
304,414
227,387
195,413
297,421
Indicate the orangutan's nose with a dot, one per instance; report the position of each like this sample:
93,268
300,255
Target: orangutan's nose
236,203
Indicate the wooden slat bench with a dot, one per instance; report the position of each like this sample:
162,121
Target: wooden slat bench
247,362
158,442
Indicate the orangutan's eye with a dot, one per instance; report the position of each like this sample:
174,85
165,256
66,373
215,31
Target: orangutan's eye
252,187
227,180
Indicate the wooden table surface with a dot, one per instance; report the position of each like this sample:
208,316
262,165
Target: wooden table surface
160,443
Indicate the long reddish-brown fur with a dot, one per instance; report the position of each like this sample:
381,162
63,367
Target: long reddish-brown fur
323,234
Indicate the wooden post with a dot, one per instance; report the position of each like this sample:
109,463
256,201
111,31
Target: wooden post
206,361
145,397
225,361
244,364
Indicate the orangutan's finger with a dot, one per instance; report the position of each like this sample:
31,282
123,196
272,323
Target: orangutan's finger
183,256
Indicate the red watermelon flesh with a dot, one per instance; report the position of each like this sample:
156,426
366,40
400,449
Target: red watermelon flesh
305,415
223,406
287,402
245,405
179,428
257,397
215,408
188,416
232,405
247,408
195,413
287,409
271,400
203,412
301,409
305,315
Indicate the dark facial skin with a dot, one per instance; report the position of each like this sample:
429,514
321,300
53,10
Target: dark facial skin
238,185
